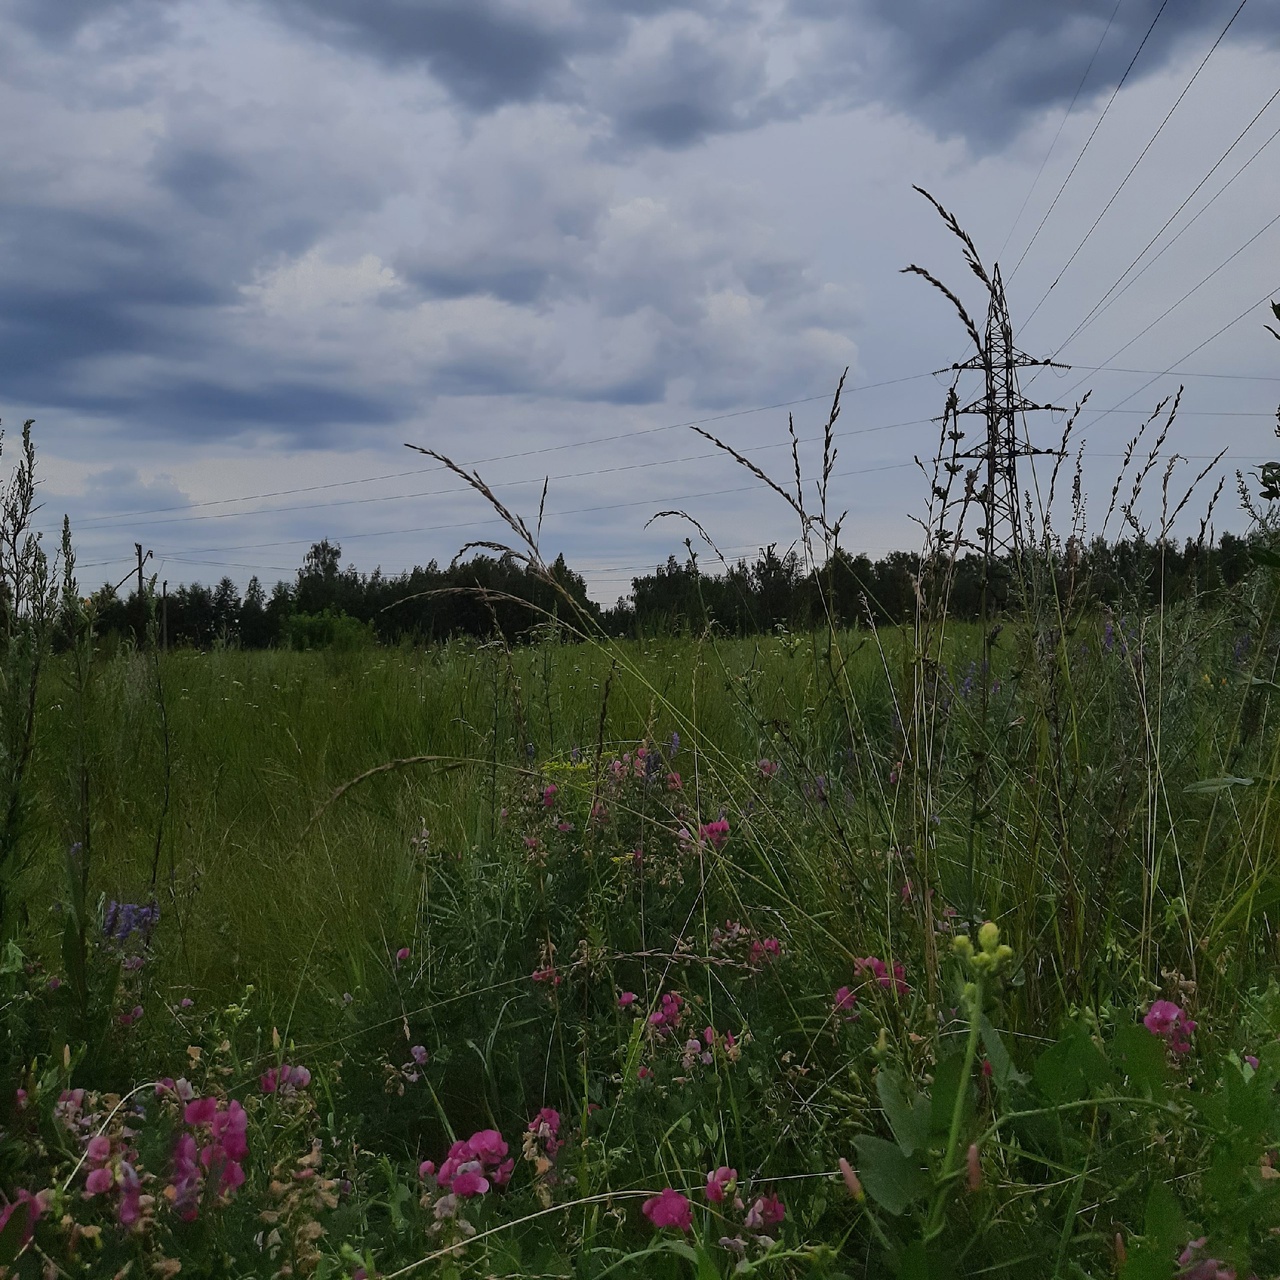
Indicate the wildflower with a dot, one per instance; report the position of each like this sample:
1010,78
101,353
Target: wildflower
880,972
674,781
1251,1060
987,1069
716,834
767,1211
669,1012
564,826
626,999
134,1015
974,1167
768,768
54,983
1193,1267
419,1054
669,1209
762,950
846,1001
851,1180
549,795
720,1183
547,974
284,1079
1166,1020
545,1127
402,955
427,1169
644,1074
186,1003
35,1207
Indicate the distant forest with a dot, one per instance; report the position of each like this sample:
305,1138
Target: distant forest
327,605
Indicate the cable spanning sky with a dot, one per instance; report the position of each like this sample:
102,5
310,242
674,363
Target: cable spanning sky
249,248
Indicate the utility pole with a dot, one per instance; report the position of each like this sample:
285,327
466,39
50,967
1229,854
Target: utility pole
164,617
1000,403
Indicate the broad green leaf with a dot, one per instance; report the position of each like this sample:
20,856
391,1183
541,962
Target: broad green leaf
1003,1072
946,1081
908,1120
1144,1059
890,1178
1072,1068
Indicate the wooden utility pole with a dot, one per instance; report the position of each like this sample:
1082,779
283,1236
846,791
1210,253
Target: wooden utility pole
164,617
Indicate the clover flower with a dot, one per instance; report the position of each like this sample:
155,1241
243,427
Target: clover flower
669,1209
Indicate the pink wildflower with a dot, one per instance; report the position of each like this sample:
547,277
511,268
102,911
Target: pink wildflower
674,782
768,768
186,1002
1251,1060
846,1001
1193,1267
35,1207
469,1180
547,974
98,1181
427,1169
669,1012
546,1127
626,999
419,1054
549,795
669,1209
880,972
402,955
1166,1020
720,1183
284,1079
767,1211
716,834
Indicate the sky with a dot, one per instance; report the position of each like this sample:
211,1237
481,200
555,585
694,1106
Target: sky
249,249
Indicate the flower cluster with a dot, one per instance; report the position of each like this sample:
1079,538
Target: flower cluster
879,971
668,1014
1192,1266
671,1208
1166,1020
473,1166
739,941
991,955
213,1150
716,833
114,1171
125,918
284,1079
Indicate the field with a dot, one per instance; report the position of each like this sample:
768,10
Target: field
587,959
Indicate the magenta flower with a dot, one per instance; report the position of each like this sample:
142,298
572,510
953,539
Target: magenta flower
469,1180
98,1181
402,955
547,974
546,1127
846,1001
720,1183
1193,1267
768,768
200,1111
880,972
1162,1017
1251,1060
674,782
669,1209
1166,1020
549,795
716,834
284,1079
427,1169
669,1012
767,1211
419,1054
488,1146
626,999
99,1148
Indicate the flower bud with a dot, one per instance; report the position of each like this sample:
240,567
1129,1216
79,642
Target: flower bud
989,937
975,1168
851,1181
962,947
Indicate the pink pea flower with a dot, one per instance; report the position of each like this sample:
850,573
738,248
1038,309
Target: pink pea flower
626,999
200,1111
547,974
880,972
669,1012
427,1169
284,1079
469,1180
669,1209
546,1128
768,768
1251,1060
488,1146
716,834
402,955
767,1211
99,1148
674,781
720,1183
1166,1020
846,1001
98,1181
186,1003
549,795
1193,1267
419,1054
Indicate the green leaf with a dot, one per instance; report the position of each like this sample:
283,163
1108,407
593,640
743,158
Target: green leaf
1164,1233
1260,555
14,1233
1211,786
908,1120
1003,1072
1069,1070
890,1178
1144,1059
946,1083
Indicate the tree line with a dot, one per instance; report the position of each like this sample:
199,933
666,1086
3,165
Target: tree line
327,605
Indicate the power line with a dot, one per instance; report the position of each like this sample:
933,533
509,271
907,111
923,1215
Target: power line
1119,85
1035,182
501,457
1099,306
1141,156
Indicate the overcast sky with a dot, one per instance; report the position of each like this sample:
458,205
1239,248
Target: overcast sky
248,248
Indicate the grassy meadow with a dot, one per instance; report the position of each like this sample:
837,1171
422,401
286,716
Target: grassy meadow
841,954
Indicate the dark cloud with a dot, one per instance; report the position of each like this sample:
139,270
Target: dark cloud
485,53
983,68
